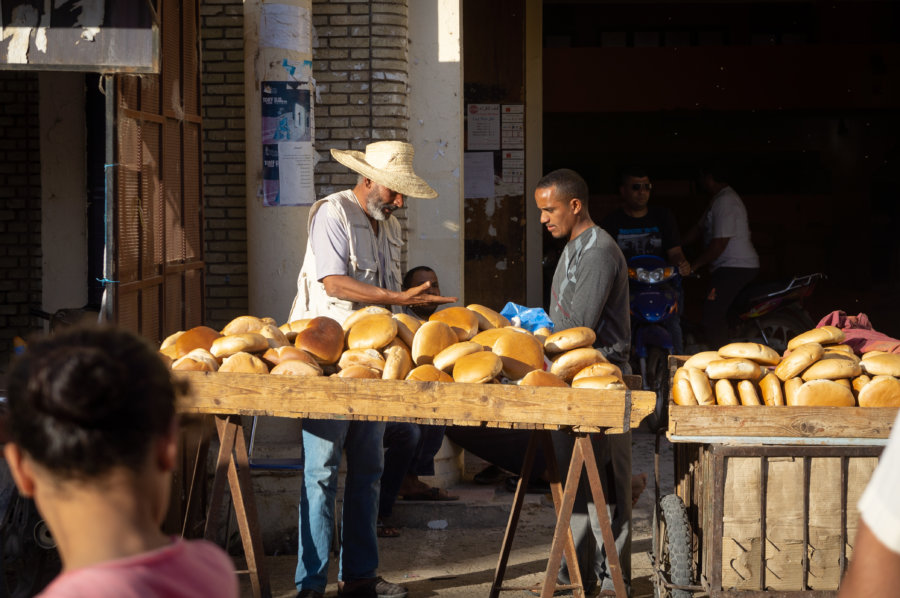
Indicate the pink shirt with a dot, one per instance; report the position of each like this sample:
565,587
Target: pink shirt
188,569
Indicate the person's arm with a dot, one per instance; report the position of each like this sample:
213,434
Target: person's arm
712,251
350,289
672,243
874,569
595,280
676,258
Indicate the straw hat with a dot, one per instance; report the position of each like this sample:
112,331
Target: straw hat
388,163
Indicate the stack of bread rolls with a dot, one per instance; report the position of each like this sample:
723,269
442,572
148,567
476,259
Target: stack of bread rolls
473,344
817,369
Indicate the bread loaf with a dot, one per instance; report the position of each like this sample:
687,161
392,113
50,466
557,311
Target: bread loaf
487,338
832,367
244,363
885,364
682,393
734,368
747,393
822,335
881,391
477,368
571,362
756,352
462,321
447,357
247,342
823,393
198,360
599,383
323,338
798,360
702,359
488,317
296,367
359,371
169,341
431,338
407,326
274,336
858,383
770,387
370,358
369,310
725,394
700,385
541,378
242,324
397,361
290,329
599,369
372,331
542,333
568,339
276,355
428,373
519,354
198,337
791,386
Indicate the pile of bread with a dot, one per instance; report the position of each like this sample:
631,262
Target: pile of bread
472,344
817,369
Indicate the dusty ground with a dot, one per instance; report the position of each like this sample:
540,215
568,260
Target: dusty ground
459,560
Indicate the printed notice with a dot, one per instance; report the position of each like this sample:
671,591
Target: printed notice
288,154
512,127
479,174
285,26
513,171
483,127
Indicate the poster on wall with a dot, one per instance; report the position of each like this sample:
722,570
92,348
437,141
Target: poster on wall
483,127
287,139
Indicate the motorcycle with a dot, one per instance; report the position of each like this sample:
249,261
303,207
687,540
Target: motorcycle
772,313
653,297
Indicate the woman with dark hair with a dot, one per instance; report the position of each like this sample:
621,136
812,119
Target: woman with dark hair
93,441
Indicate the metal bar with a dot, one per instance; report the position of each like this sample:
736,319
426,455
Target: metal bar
583,443
805,500
515,511
763,492
778,440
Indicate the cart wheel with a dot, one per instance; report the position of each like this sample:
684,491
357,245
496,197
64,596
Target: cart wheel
672,546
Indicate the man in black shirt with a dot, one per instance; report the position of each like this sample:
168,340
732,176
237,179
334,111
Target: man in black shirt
642,229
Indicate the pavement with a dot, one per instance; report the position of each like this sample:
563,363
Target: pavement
450,549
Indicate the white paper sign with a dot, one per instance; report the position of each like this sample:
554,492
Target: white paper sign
483,126
478,174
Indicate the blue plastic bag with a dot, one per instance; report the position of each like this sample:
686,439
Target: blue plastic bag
529,318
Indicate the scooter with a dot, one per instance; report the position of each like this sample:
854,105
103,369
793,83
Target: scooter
653,300
772,313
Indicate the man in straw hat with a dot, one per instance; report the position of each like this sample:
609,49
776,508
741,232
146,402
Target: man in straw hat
352,260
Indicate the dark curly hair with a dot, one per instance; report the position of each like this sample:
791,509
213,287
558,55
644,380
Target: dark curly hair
85,400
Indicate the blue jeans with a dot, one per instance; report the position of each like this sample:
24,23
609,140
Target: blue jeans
323,443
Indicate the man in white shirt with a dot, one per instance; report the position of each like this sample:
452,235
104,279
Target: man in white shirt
728,250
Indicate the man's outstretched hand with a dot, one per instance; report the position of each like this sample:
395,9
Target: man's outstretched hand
419,295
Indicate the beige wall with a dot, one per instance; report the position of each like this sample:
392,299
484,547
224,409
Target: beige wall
436,131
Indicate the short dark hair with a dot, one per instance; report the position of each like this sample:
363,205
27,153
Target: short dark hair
88,399
568,184
719,172
407,278
634,171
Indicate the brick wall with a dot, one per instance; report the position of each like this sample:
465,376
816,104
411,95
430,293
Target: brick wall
20,209
360,66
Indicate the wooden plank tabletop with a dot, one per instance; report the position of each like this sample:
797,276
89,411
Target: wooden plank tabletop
501,405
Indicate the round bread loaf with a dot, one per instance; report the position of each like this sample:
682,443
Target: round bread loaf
885,364
702,359
798,360
520,354
568,339
428,373
242,324
246,363
247,342
832,367
296,367
857,383
761,354
822,335
170,352
489,318
682,393
487,338
840,347
198,360
369,310
700,385
359,371
517,329
274,336
844,382
290,329
370,358
541,378
447,357
323,338
407,326
276,355
462,321
735,368
269,320
431,338
599,369
571,362
868,354
599,383
791,386
371,332
881,391
169,341
542,333
725,394
198,337
397,361
477,368
830,352
748,393
772,393
823,393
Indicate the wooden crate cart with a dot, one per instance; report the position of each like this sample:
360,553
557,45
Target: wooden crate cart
228,396
765,497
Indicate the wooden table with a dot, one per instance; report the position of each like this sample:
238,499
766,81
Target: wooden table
228,396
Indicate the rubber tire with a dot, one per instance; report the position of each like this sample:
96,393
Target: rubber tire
781,326
658,382
678,545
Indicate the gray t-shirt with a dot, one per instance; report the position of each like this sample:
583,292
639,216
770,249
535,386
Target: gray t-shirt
590,288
